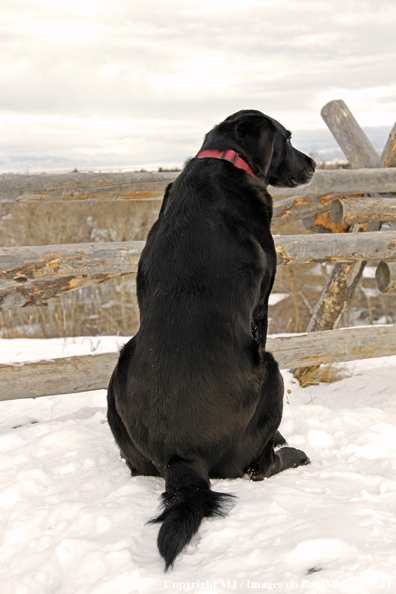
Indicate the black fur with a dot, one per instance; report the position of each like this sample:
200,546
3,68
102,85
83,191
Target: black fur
186,502
194,394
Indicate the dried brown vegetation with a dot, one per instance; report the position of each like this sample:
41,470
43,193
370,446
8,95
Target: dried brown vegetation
320,374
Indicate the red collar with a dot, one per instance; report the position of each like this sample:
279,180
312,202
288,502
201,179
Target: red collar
230,156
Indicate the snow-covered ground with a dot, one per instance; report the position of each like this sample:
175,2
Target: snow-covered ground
73,521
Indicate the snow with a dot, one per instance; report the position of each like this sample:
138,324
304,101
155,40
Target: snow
276,298
73,521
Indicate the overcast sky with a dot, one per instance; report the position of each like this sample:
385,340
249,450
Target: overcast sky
96,83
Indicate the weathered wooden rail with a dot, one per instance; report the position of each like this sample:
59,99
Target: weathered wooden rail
87,259
52,188
19,189
70,375
32,275
291,204
40,273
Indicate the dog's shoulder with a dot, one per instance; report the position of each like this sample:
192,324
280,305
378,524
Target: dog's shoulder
250,203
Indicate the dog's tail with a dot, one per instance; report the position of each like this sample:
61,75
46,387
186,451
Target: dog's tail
186,502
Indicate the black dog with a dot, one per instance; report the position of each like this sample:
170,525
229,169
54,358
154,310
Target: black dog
194,394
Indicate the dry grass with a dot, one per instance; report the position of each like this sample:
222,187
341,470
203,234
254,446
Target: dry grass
320,374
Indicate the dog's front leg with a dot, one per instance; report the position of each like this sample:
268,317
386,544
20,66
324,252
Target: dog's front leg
260,313
260,324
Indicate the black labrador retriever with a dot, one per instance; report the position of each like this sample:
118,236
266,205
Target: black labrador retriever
194,394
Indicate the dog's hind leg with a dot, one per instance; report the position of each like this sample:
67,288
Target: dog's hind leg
137,463
270,462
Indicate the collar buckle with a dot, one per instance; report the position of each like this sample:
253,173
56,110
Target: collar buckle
224,157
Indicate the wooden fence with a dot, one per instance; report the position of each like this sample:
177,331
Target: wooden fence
341,202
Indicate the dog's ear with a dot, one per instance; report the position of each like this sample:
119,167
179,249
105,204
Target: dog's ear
257,136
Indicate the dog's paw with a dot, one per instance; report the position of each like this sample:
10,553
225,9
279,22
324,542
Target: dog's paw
256,476
292,458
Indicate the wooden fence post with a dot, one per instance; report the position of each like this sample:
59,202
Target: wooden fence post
345,276
360,153
388,157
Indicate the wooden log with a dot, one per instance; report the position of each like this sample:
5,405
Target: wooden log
323,223
71,375
333,346
83,186
385,276
39,273
300,207
338,291
49,262
68,375
346,247
138,186
388,157
363,210
75,259
352,140
39,291
343,181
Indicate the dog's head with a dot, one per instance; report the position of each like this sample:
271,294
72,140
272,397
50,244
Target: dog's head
265,145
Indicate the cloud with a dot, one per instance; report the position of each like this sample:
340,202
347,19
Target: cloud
94,67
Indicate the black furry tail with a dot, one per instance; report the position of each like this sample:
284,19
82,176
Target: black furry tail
186,502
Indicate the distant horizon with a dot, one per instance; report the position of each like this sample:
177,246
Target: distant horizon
319,144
